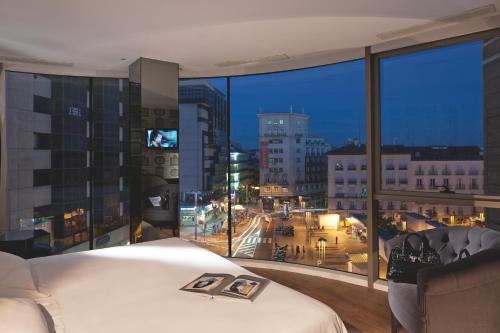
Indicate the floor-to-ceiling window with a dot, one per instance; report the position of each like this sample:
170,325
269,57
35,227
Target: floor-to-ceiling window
204,153
438,108
297,167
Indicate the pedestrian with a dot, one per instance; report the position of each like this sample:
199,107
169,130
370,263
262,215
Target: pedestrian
297,249
303,249
336,239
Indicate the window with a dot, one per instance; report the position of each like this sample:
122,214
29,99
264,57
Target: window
443,122
204,182
446,87
293,97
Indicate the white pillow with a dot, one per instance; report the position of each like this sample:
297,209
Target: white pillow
16,279
21,315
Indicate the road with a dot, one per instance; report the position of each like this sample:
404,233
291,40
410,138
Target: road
257,240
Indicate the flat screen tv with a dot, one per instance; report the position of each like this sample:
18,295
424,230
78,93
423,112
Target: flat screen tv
161,138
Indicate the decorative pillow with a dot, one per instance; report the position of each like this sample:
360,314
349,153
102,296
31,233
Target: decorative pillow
16,279
21,315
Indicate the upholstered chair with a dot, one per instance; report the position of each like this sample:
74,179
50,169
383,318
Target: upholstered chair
459,296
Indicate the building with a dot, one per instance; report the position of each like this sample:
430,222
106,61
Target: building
292,164
65,155
316,172
204,145
282,145
244,177
429,169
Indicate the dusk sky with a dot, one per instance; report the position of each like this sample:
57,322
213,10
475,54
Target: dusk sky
428,98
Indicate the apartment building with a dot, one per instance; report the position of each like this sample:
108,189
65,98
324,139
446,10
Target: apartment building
427,169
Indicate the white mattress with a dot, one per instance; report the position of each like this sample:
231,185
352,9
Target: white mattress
136,289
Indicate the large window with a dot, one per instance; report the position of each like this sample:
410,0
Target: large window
432,120
297,173
439,118
204,151
298,179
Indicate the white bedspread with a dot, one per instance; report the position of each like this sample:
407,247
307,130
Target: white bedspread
136,289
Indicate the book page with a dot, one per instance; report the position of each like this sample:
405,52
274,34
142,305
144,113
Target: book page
208,283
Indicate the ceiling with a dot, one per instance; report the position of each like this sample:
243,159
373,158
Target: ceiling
222,37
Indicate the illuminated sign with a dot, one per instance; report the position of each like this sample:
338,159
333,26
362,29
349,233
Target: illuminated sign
264,155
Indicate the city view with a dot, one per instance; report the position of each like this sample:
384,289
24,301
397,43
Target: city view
297,179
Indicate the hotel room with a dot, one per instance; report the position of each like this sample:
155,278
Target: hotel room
317,166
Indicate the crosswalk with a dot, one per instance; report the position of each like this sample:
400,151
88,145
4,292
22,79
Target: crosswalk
249,245
258,240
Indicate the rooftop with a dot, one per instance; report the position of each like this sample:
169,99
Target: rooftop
436,153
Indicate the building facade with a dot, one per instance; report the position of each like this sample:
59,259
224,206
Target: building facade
428,169
204,145
292,163
244,177
67,166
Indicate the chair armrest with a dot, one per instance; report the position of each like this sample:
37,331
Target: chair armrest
461,296
481,268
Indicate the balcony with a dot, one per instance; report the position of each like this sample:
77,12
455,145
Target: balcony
419,187
339,181
363,181
351,167
390,167
339,195
419,172
403,167
390,181
339,168
460,187
459,172
352,181
446,172
474,187
473,172
433,172
403,181
363,166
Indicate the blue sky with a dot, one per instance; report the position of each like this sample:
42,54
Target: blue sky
431,97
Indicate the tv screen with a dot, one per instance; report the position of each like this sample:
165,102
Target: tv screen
161,138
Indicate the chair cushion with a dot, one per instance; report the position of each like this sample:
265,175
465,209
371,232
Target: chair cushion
449,241
403,300
21,315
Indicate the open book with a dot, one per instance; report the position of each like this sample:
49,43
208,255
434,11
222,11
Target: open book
213,284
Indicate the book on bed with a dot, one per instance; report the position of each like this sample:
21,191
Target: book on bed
244,287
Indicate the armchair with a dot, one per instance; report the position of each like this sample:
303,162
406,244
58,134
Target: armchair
460,296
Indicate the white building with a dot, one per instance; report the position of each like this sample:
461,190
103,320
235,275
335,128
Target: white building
429,169
282,142
292,163
203,128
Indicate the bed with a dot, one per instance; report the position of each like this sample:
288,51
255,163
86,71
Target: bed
136,289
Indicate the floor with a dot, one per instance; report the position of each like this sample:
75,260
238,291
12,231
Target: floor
361,309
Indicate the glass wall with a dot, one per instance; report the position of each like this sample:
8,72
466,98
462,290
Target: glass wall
438,108
297,174
204,153
296,196
432,120
65,144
